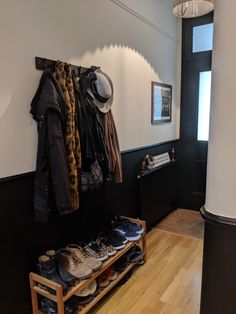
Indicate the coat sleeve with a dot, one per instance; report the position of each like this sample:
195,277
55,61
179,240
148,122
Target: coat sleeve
41,211
58,164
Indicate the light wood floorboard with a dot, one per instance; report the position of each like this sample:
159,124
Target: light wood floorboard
169,282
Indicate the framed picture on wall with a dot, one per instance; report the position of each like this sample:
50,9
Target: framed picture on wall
161,102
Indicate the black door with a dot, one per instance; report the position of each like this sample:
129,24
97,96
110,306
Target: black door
192,151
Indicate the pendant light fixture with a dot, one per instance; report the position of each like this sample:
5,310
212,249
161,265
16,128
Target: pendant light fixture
192,8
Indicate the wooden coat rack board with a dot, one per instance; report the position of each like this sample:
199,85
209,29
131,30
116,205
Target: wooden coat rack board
43,63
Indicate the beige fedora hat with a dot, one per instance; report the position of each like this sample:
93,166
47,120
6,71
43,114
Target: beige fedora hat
102,90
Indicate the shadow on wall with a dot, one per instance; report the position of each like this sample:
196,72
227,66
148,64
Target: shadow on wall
84,33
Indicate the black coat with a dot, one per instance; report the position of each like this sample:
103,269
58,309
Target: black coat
48,109
91,129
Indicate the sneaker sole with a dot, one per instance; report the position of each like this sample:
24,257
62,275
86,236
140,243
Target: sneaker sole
85,276
140,231
94,269
123,232
104,258
123,241
119,247
111,253
120,231
134,238
112,278
104,284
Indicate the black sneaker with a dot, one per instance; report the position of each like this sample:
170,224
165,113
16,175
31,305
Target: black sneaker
113,239
135,255
85,300
49,307
119,236
120,265
106,247
125,278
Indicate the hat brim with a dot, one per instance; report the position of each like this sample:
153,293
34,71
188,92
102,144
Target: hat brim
104,107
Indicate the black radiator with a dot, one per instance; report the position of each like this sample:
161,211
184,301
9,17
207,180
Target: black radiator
158,193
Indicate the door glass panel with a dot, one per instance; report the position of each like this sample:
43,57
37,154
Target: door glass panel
204,105
202,38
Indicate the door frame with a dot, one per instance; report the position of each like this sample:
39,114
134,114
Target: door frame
192,153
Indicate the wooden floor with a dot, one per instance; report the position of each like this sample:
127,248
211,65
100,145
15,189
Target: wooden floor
169,283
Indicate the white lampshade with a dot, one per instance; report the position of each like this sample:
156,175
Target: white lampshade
192,8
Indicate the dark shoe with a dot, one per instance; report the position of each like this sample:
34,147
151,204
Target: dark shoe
127,232
72,305
120,265
49,307
85,300
113,238
125,278
128,223
47,269
65,276
70,310
119,237
98,290
68,278
102,280
105,247
135,255
127,228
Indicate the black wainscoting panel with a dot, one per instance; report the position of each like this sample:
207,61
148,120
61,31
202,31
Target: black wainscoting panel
22,240
219,269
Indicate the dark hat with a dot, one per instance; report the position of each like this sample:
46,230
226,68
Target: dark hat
102,91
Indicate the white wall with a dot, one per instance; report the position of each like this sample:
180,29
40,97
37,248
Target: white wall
133,41
221,174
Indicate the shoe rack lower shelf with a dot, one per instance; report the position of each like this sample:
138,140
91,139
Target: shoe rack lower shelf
37,281
104,291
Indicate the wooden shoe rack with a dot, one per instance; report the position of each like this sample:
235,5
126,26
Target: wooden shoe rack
37,281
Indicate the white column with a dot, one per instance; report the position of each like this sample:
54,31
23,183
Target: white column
221,173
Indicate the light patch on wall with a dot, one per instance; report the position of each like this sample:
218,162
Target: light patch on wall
131,74
5,101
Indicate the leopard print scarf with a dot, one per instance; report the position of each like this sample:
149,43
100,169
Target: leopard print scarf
63,73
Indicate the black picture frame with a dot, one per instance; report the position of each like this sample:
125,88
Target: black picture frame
161,106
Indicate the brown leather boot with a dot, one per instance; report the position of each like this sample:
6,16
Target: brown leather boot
80,254
65,276
74,265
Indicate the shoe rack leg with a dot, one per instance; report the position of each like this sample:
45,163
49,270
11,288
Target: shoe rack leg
34,297
60,303
144,243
